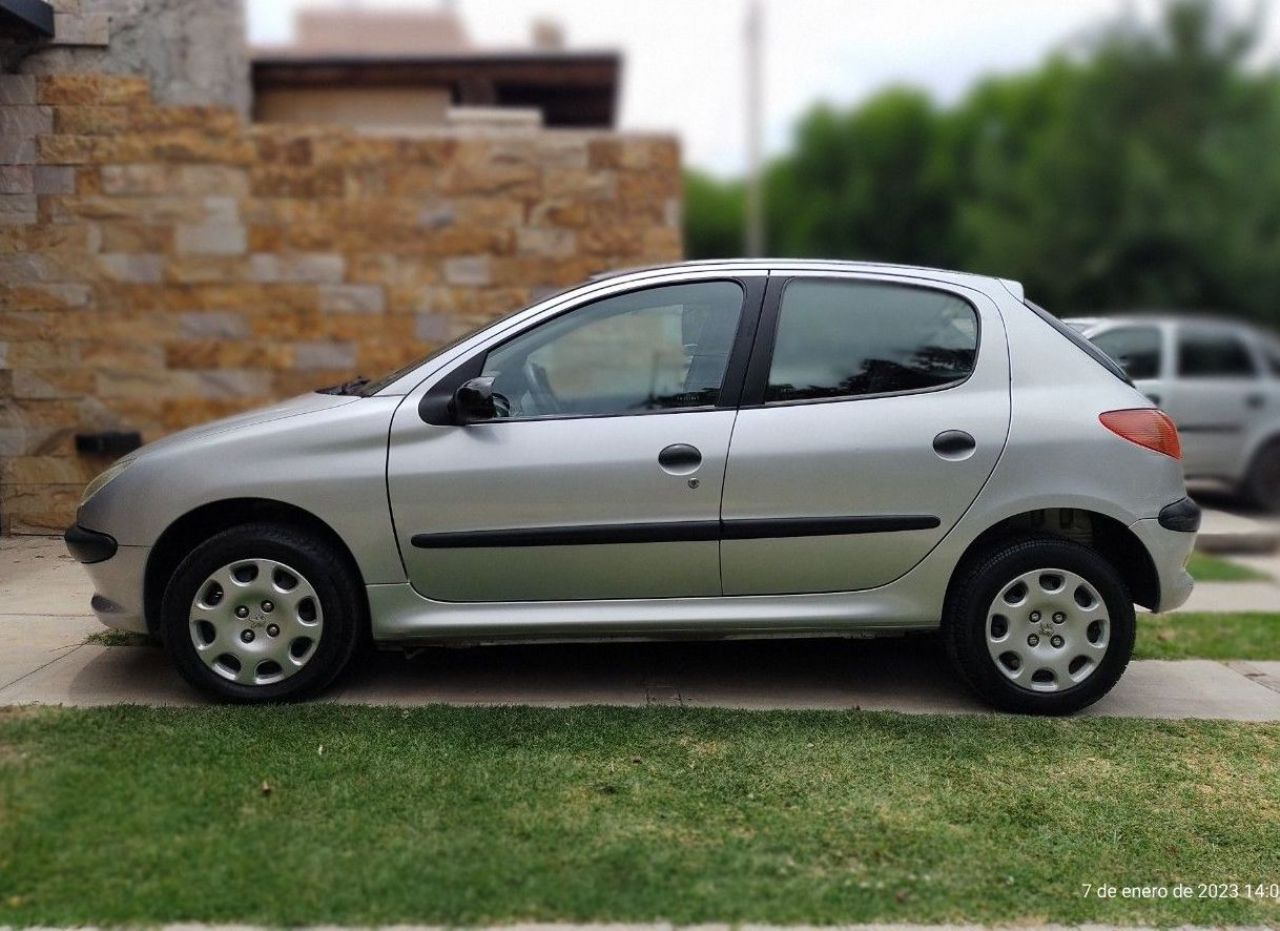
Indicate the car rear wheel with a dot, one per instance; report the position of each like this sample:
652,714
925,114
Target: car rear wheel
1041,626
1262,484
262,613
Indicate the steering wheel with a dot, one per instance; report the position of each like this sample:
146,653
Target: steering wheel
535,378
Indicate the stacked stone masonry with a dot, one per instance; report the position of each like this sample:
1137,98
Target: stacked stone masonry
161,266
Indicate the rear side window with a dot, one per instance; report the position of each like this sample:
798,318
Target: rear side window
1210,352
1137,349
847,339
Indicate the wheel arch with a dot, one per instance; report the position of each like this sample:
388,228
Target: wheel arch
197,525
1114,541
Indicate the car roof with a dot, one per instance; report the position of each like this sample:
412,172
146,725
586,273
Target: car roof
1159,317
785,264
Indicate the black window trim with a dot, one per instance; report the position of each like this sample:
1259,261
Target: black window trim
1078,339
436,406
757,377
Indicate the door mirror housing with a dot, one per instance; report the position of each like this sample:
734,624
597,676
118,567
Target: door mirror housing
475,401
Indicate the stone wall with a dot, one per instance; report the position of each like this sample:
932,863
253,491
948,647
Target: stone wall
192,52
164,265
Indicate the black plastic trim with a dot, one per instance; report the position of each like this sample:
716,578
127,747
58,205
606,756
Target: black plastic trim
953,443
770,528
676,531
680,456
89,546
1182,516
670,532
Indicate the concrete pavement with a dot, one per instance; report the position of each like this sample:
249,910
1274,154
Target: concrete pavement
43,659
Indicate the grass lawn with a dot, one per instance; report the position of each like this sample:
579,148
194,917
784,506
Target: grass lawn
1208,636
454,815
1205,568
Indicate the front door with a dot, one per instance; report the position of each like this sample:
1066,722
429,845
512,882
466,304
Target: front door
603,479
875,410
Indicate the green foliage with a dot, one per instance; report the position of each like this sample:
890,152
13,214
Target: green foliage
1209,636
714,216
1135,171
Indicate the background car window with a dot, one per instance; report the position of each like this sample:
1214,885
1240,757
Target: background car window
649,350
1272,351
845,339
1137,349
1206,352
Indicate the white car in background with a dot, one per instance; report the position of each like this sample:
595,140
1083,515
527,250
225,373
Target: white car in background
1220,382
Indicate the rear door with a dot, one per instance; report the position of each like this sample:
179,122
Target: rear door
1216,398
874,411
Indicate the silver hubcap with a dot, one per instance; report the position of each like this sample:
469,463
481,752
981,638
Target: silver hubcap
256,621
1048,630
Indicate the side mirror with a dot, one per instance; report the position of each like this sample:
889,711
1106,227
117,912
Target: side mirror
476,401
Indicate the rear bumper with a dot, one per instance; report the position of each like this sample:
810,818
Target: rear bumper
117,573
1169,550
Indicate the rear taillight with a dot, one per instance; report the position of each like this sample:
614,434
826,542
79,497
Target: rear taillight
1146,427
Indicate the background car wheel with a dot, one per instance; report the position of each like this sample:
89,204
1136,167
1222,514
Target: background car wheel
1042,626
1262,484
262,613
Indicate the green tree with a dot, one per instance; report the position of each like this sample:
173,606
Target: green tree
713,216
1137,169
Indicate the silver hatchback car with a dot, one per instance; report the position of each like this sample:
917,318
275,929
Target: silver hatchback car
733,449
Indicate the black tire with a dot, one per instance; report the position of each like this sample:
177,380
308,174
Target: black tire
1262,483
980,581
341,601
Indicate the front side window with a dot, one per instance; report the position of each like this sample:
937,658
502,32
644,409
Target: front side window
855,338
658,349
1137,349
1209,352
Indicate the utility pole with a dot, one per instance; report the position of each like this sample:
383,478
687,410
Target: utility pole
755,190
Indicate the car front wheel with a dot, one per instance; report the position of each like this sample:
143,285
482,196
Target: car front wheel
1041,626
261,613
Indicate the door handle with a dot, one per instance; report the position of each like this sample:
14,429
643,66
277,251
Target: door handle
680,459
1255,401
954,444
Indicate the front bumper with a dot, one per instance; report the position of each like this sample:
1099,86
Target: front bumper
117,573
1169,550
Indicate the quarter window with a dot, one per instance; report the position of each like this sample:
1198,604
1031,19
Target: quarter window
1137,349
853,339
658,349
1206,352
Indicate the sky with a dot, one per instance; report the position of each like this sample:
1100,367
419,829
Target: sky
684,59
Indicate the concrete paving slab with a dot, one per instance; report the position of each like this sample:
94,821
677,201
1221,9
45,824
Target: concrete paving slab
90,676
1229,532
1232,597
909,676
29,641
38,577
